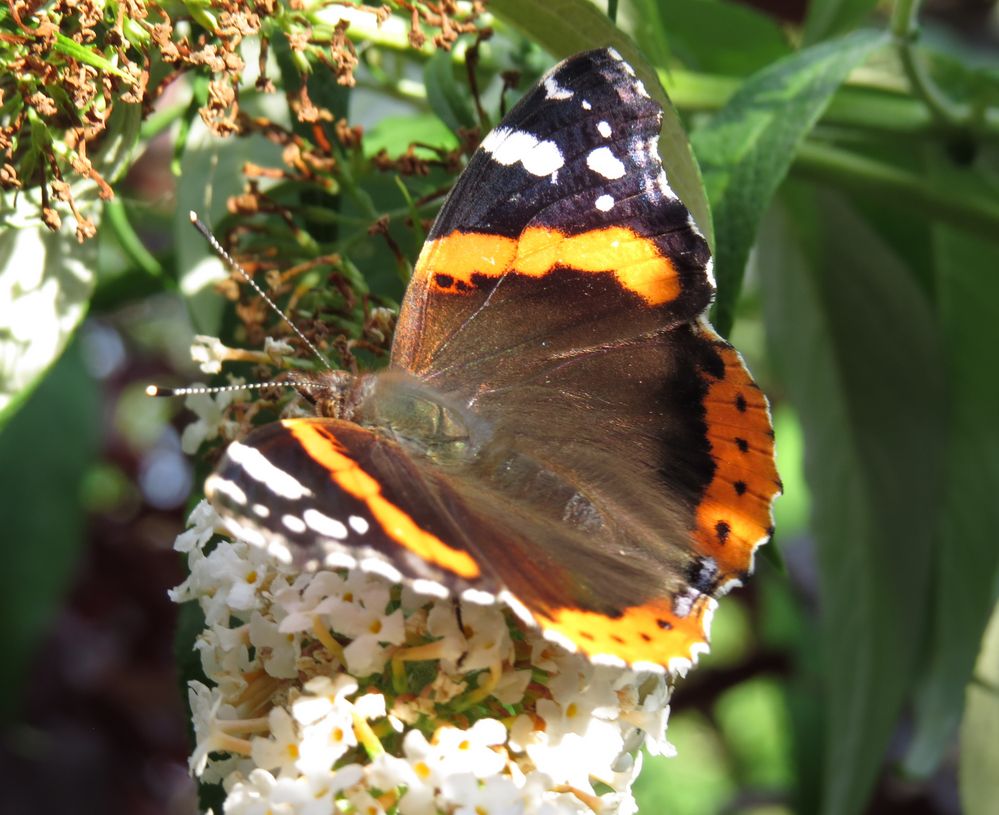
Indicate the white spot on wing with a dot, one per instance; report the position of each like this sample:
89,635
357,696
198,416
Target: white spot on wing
293,523
508,147
256,465
479,597
375,565
709,269
358,524
555,91
604,129
559,639
336,559
679,666
587,105
421,586
664,186
277,549
517,607
608,659
225,487
604,162
261,510
324,524
245,533
604,203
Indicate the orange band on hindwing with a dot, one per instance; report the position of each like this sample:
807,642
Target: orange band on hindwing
734,515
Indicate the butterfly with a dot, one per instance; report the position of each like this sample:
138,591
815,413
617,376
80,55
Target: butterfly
559,427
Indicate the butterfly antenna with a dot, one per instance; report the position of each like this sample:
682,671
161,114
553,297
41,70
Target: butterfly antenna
228,259
308,384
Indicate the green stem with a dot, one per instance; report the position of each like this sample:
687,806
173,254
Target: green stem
905,29
856,107
116,218
841,168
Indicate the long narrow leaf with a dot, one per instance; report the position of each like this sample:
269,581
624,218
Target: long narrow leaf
745,150
854,340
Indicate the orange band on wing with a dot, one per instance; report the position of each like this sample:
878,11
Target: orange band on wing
449,263
734,515
648,633
325,448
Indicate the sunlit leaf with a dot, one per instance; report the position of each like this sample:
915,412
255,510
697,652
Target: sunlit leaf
853,338
745,150
967,558
827,18
713,36
979,744
448,98
46,280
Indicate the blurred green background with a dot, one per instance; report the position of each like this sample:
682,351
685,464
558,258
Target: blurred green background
846,166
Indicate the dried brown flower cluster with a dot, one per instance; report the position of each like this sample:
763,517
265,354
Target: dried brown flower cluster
76,73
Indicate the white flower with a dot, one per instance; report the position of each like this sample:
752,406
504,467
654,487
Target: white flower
336,690
252,796
210,408
277,651
487,635
207,710
209,353
314,793
281,751
276,349
497,795
202,523
327,722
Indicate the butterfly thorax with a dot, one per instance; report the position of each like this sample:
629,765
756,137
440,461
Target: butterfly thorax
432,425
400,407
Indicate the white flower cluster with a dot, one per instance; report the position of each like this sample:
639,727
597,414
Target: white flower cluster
337,691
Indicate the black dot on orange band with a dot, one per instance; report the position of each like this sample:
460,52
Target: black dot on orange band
740,487
445,281
645,637
722,530
665,625
743,445
617,639
586,635
740,403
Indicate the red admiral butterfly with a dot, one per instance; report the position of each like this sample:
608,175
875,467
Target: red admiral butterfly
559,427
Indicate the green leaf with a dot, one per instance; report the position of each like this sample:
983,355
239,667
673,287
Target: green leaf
745,149
394,134
210,172
565,27
448,97
827,18
854,340
46,280
967,558
979,745
88,56
709,36
45,451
